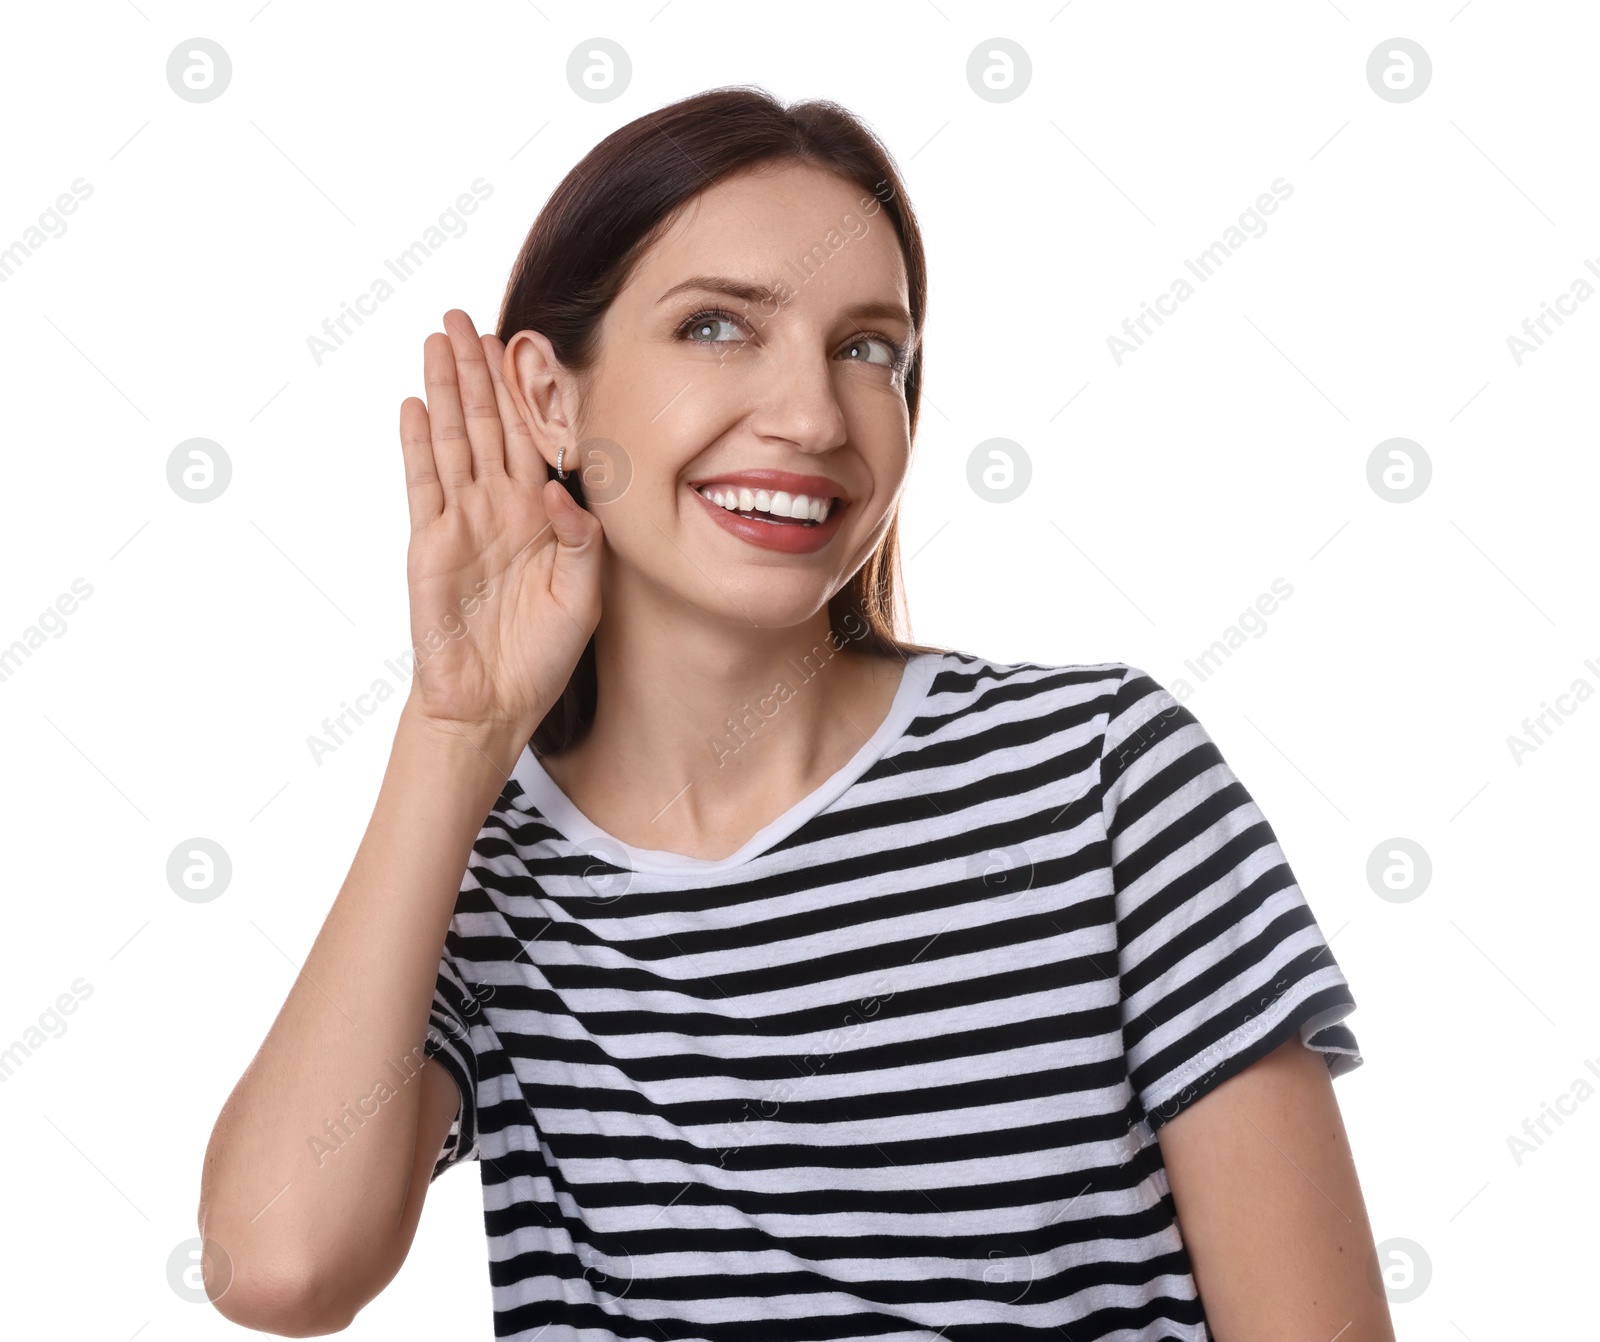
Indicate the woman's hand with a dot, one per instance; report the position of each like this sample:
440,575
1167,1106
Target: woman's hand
503,567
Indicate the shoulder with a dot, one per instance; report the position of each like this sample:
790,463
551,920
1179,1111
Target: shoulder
1111,711
1085,701
965,678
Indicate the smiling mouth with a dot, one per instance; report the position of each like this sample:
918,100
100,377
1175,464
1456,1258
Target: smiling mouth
774,506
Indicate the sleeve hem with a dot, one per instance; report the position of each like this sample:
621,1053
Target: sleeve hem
444,1047
1335,1041
1314,1017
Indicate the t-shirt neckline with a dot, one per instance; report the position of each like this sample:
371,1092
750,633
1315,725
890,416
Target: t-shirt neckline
573,825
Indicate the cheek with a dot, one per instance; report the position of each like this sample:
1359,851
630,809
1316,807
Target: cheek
880,425
886,450
639,499
866,540
877,512
635,450
634,544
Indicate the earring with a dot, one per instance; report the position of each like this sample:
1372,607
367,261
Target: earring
560,474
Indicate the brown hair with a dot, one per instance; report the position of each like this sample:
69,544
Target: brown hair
603,217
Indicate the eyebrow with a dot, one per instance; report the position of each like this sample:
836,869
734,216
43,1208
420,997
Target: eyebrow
762,293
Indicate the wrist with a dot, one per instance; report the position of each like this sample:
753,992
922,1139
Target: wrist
488,747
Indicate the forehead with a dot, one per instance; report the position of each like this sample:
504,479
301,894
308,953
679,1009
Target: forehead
798,224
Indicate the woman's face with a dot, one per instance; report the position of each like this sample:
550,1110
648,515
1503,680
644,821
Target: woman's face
706,388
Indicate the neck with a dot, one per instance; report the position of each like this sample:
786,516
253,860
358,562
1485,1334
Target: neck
705,726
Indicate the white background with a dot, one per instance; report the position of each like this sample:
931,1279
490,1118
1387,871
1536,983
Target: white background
1167,494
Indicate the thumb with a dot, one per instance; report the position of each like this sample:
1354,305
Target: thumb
577,530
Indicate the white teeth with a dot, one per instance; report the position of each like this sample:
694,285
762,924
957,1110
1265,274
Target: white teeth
779,504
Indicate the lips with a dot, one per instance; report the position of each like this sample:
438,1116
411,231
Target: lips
774,510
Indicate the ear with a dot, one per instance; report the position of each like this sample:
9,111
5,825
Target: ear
544,392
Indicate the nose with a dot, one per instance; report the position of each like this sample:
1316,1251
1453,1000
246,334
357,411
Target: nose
798,402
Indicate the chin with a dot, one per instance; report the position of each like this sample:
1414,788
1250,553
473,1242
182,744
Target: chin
770,614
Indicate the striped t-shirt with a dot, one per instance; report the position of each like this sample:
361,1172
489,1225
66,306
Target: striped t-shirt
895,1067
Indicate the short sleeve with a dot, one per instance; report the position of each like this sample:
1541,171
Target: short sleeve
449,1043
1219,956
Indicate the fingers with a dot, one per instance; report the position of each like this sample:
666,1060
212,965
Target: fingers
523,461
480,410
424,494
452,454
580,540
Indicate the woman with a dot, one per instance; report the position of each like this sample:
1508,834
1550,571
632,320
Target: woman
803,981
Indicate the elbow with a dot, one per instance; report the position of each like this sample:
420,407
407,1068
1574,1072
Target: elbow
284,1304
290,1283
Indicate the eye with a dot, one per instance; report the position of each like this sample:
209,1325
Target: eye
895,358
701,327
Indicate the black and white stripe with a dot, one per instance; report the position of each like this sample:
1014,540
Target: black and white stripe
895,1068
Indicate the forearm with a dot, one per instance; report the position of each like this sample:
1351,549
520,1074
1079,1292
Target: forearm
308,1166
